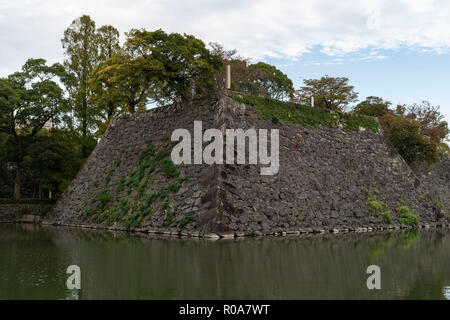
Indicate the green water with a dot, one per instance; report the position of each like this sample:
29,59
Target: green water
34,259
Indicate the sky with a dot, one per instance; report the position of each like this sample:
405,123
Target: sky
396,49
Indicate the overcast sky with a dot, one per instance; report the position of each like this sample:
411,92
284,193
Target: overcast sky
396,49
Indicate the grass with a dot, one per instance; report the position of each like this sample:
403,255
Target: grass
188,218
276,111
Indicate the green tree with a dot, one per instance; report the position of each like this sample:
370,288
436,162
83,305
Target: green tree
129,81
48,163
328,92
405,136
80,43
187,65
28,100
104,95
260,79
267,81
372,106
157,67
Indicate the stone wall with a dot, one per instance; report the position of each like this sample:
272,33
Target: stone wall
325,178
20,212
437,179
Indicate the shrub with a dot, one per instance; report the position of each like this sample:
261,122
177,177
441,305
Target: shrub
407,216
373,205
386,216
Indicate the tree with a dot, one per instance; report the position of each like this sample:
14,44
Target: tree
130,81
268,81
259,79
47,162
240,73
405,136
103,94
328,92
107,41
187,65
430,119
80,42
28,100
443,150
157,67
372,106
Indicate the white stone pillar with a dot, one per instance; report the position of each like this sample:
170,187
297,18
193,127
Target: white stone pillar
228,77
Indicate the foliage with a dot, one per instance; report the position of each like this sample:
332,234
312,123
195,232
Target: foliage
418,132
111,205
373,205
407,216
386,216
180,64
28,100
82,55
48,162
187,218
328,92
271,109
260,79
372,106
443,150
405,136
267,81
379,207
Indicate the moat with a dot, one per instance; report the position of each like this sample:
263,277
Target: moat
415,264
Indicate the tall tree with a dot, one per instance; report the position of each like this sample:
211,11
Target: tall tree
28,100
129,81
103,94
157,67
80,43
187,64
333,93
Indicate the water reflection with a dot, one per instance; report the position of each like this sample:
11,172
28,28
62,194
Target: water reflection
414,265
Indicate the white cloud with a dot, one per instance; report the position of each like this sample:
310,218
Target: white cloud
259,28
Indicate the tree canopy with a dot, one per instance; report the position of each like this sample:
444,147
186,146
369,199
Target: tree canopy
260,79
333,93
28,100
418,131
372,106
